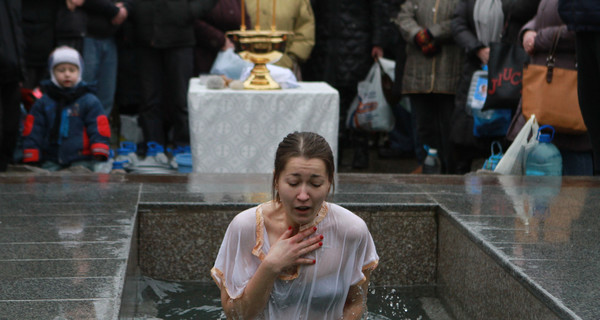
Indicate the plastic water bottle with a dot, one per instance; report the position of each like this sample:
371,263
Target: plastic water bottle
119,166
432,164
544,159
126,154
478,89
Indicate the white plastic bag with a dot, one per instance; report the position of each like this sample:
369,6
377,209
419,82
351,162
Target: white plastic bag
389,67
370,111
513,161
230,64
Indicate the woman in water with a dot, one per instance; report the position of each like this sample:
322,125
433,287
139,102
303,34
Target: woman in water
297,256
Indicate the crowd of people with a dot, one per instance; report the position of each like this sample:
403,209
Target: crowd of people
137,58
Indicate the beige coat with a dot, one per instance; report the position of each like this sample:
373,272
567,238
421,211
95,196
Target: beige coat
291,15
437,74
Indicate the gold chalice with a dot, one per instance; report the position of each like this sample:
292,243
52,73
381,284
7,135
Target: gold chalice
260,48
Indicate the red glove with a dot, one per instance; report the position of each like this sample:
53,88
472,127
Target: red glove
423,37
430,49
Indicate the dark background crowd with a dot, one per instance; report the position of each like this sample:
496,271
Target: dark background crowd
140,56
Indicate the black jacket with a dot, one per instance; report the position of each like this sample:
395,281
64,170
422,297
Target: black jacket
345,34
516,14
70,24
168,23
100,14
12,44
580,15
39,19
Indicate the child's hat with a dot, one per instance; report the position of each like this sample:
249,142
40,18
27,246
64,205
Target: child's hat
65,54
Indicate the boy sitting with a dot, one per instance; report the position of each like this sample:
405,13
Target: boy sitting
67,126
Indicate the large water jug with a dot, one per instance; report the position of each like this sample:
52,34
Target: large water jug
544,159
126,154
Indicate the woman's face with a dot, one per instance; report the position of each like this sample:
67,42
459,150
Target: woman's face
303,186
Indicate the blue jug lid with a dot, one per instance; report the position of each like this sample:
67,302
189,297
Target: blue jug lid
545,137
154,148
128,146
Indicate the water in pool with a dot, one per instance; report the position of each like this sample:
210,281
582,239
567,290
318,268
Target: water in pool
201,300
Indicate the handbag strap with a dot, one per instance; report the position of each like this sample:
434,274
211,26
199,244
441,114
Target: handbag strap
505,27
551,59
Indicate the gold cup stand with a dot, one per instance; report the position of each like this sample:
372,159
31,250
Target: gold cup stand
260,48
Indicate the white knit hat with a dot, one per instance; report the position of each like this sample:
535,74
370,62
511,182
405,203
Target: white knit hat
65,54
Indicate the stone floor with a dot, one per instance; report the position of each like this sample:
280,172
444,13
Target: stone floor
65,238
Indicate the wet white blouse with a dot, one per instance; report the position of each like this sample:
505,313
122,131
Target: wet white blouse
310,291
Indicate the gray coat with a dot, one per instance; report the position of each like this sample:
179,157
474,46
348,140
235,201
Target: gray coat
437,74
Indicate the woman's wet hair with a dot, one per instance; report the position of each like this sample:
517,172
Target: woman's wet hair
307,145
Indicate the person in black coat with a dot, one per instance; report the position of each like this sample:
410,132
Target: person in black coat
164,32
39,19
104,18
467,147
583,16
12,66
71,24
347,37
516,14
402,141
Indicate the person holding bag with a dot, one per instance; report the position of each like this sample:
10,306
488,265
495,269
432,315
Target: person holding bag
583,17
432,71
507,57
537,38
474,25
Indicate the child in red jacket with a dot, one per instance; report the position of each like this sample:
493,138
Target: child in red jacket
67,126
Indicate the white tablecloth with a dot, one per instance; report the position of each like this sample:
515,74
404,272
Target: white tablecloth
237,131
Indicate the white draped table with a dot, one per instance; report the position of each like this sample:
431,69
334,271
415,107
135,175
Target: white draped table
237,131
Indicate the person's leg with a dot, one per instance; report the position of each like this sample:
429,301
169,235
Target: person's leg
178,71
444,106
432,114
588,77
91,60
9,122
100,57
150,113
420,153
577,163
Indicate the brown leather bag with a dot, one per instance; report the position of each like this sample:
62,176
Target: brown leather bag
551,94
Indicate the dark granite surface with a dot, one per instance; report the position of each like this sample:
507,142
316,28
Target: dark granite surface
64,239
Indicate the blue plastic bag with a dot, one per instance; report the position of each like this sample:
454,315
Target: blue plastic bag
492,161
491,123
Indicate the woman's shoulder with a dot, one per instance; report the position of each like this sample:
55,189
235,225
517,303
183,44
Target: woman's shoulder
347,219
246,217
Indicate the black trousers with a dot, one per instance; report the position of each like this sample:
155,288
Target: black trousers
10,113
433,112
588,83
165,74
